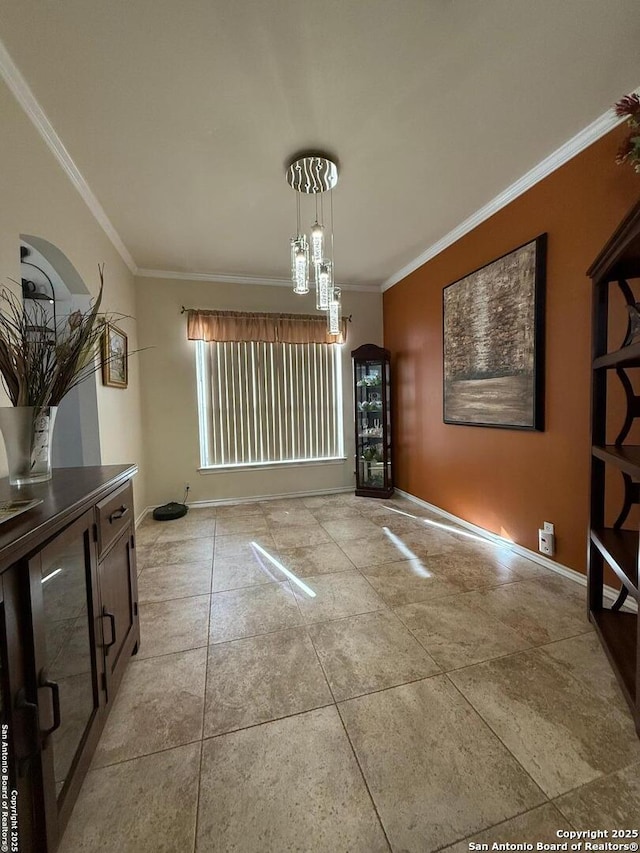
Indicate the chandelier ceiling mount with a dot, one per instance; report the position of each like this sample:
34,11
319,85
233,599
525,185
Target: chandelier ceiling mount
312,173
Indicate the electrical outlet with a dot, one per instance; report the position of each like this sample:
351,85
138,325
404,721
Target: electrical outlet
546,543
548,527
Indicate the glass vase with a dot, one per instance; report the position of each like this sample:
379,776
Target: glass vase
28,436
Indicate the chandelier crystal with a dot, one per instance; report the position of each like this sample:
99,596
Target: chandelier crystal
300,264
334,312
324,284
317,242
315,174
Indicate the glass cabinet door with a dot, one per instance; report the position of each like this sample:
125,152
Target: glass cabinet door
67,673
372,415
19,725
68,649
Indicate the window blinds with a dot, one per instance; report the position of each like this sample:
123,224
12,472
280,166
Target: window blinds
269,402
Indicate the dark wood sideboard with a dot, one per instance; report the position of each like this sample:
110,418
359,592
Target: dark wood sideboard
68,625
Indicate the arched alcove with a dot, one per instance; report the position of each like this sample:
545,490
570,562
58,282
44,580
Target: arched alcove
76,438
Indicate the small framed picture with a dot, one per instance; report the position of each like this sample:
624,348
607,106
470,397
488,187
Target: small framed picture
114,357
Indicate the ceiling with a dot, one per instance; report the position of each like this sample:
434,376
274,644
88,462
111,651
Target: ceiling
183,114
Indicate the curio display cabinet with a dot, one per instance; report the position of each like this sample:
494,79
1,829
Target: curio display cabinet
372,395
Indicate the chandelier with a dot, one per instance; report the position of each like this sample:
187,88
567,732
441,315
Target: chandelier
316,175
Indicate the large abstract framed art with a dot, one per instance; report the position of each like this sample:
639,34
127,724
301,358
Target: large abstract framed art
493,332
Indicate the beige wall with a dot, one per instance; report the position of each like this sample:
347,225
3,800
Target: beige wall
170,414
37,198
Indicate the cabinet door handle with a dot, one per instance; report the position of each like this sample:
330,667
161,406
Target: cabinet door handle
29,711
118,513
44,681
112,619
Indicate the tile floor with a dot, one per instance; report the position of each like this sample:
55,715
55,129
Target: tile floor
333,674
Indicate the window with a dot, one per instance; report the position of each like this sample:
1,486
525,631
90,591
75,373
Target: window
264,403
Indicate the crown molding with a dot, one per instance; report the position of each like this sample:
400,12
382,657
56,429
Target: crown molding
220,278
224,278
27,100
597,129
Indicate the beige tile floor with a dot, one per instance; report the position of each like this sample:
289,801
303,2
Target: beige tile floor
330,674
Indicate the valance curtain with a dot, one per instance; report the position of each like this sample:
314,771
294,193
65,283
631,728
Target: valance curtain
225,326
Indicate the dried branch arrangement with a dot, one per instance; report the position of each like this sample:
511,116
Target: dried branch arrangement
40,370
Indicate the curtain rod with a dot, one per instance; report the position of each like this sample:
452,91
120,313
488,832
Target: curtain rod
184,310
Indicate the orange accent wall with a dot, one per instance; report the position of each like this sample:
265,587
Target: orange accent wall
509,481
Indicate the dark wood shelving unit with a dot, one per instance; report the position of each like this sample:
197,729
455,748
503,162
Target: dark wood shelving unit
628,356
624,457
620,550
619,631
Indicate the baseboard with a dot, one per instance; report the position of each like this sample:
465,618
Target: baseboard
253,499
577,577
